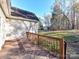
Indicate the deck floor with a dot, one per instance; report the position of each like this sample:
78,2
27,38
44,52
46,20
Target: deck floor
11,50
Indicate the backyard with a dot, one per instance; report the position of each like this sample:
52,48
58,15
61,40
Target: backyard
40,29
68,35
71,37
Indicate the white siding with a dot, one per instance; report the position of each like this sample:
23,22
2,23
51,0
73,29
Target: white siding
17,28
2,26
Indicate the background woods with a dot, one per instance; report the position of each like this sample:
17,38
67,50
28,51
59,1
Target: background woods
64,15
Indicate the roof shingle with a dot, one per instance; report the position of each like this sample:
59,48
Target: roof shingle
22,13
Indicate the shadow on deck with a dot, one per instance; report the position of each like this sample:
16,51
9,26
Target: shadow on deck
11,50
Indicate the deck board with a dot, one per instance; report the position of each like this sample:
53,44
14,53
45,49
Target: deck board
11,50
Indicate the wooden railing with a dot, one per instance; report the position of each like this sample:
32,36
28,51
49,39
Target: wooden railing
55,46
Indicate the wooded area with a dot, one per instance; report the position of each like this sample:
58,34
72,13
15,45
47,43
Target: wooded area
65,16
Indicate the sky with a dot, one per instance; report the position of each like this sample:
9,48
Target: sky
39,7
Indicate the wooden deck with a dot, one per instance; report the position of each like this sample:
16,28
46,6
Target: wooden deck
11,50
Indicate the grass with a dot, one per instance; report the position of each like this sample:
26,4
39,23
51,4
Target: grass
49,46
68,35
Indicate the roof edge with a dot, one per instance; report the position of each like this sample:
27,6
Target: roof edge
22,19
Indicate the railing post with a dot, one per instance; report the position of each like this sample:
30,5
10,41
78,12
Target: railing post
65,46
62,56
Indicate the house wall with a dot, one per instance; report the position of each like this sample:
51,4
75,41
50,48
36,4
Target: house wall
6,6
18,28
11,28
2,26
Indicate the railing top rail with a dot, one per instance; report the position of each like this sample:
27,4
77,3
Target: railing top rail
56,38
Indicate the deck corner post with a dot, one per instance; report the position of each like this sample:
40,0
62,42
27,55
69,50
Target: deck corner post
62,49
